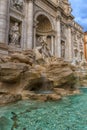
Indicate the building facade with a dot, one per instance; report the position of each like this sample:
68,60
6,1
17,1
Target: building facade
24,22
85,45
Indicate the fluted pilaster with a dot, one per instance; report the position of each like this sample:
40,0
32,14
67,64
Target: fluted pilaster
3,20
69,43
58,38
29,24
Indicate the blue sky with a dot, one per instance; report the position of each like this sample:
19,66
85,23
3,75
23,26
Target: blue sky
80,12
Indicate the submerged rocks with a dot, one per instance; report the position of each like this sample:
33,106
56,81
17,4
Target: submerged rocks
21,71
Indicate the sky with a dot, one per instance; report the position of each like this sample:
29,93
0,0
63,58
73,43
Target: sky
80,12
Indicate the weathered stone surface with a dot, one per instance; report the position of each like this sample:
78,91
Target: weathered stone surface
11,72
65,92
81,74
61,75
61,91
41,97
53,97
82,78
4,59
24,57
9,98
17,77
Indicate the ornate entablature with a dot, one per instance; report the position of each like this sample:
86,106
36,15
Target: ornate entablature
65,5
76,26
55,2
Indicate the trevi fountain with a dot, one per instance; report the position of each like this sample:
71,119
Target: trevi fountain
39,88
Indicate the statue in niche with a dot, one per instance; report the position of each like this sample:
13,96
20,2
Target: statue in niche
44,47
42,51
18,4
63,49
15,35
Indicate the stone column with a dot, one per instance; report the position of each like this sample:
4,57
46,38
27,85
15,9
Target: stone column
29,24
52,45
69,44
3,20
58,38
34,38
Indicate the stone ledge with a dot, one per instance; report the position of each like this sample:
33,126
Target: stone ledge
3,46
13,49
3,49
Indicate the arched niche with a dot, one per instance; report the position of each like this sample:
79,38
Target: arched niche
45,27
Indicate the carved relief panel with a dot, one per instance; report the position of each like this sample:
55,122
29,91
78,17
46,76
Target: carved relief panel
17,4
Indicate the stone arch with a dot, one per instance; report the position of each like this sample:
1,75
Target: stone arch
38,13
44,26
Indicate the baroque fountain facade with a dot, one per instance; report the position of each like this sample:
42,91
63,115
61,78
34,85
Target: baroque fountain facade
24,22
38,40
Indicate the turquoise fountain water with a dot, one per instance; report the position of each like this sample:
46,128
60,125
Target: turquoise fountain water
67,114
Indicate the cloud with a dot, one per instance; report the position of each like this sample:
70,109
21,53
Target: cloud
79,11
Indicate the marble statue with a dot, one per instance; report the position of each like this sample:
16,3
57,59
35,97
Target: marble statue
15,34
44,47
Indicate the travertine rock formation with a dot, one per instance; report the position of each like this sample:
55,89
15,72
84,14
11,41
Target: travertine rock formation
21,74
82,74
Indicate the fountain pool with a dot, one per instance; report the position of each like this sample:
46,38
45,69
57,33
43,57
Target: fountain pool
68,114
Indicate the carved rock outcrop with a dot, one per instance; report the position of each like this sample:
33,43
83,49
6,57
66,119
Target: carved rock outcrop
21,72
9,98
